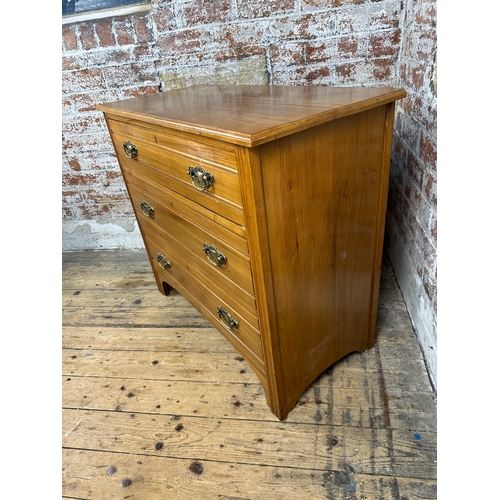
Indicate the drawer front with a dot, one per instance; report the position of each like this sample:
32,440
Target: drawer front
201,179
218,152
233,234
227,268
215,304
201,202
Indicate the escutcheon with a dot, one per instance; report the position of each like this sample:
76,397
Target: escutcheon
226,319
215,257
130,150
163,262
147,209
200,179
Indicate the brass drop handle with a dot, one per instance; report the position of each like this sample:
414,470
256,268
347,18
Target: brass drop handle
215,257
163,262
200,179
147,209
226,319
130,150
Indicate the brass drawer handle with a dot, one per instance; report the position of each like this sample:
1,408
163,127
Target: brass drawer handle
147,209
226,319
200,179
163,262
215,257
130,150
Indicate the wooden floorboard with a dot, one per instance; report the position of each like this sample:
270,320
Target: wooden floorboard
157,404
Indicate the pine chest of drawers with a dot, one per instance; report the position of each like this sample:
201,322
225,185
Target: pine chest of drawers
265,207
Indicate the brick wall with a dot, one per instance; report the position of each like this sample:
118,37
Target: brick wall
411,236
296,42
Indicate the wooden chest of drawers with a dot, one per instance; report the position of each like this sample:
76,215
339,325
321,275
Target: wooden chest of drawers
265,207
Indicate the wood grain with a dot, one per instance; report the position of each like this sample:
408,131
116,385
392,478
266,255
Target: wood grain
174,409
305,171
263,113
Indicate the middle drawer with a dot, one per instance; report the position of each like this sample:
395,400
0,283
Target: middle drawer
209,252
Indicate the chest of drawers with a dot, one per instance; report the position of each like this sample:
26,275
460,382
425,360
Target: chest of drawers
265,207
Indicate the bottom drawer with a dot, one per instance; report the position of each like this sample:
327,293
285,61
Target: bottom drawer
245,338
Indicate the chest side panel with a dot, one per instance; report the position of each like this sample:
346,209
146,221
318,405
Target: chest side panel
322,192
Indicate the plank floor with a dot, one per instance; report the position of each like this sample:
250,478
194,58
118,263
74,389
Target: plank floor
158,405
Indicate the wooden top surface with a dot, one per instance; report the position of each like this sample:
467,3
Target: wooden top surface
250,115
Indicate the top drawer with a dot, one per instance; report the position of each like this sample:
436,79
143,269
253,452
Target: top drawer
218,152
194,168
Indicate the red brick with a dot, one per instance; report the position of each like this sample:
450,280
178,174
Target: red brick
307,26
412,132
287,54
104,194
108,56
142,32
184,41
425,112
430,188
104,33
74,164
240,35
92,211
412,74
350,47
336,49
320,50
398,146
87,79
433,229
164,19
427,45
384,20
428,150
138,91
305,75
88,101
384,44
87,36
69,37
97,143
237,53
67,213
93,161
262,8
206,12
82,123
322,4
363,20
70,196
67,105
383,69
113,182
407,102
143,52
135,74
415,168
124,31
347,73
378,70
70,63
79,179
425,12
